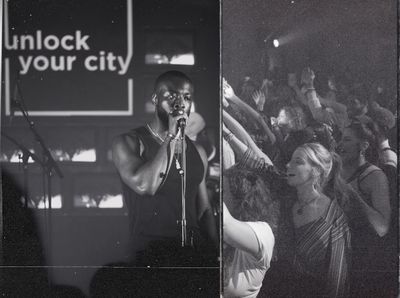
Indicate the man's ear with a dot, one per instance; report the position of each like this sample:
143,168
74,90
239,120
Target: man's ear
154,99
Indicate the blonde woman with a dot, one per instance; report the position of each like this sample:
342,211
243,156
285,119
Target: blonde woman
321,235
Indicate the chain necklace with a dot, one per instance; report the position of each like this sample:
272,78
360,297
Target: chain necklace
154,133
178,149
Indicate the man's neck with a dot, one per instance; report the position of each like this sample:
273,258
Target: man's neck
158,126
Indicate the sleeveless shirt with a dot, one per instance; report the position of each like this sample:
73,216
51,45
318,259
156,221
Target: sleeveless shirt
157,217
366,244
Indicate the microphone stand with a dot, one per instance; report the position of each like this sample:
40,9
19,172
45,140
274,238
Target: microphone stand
49,164
25,157
182,172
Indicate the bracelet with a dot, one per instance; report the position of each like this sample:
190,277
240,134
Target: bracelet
229,137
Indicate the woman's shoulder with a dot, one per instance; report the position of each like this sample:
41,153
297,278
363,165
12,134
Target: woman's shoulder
335,214
261,228
264,233
337,221
372,175
266,240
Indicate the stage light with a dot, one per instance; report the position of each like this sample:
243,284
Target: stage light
276,43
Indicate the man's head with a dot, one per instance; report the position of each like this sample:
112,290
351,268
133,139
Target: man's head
173,90
356,106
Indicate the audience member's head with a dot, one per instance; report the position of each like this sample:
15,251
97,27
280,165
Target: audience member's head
292,118
384,120
359,141
311,163
356,106
249,198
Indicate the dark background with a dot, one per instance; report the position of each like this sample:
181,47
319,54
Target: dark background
83,239
105,22
329,36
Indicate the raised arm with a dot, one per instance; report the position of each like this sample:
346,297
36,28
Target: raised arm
252,114
240,140
334,105
292,82
313,101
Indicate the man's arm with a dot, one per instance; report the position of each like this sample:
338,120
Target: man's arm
205,214
143,177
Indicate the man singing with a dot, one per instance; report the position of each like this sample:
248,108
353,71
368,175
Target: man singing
148,160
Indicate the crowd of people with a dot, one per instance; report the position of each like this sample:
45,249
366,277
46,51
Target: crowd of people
309,187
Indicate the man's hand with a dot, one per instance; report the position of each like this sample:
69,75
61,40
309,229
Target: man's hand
173,122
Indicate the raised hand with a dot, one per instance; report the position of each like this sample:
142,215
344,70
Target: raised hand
228,90
307,77
259,99
173,122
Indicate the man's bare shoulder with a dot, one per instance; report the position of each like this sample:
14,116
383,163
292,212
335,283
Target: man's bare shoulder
126,143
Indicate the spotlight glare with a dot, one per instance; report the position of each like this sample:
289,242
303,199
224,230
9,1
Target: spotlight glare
276,43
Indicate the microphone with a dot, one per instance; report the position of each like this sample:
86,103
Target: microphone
177,112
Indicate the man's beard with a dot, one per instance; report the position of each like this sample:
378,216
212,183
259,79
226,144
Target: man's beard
162,115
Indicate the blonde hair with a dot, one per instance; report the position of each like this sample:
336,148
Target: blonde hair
322,162
328,166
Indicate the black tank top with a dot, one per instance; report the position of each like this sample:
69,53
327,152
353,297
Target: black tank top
157,216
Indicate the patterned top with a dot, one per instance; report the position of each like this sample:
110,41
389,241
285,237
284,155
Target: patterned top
322,251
